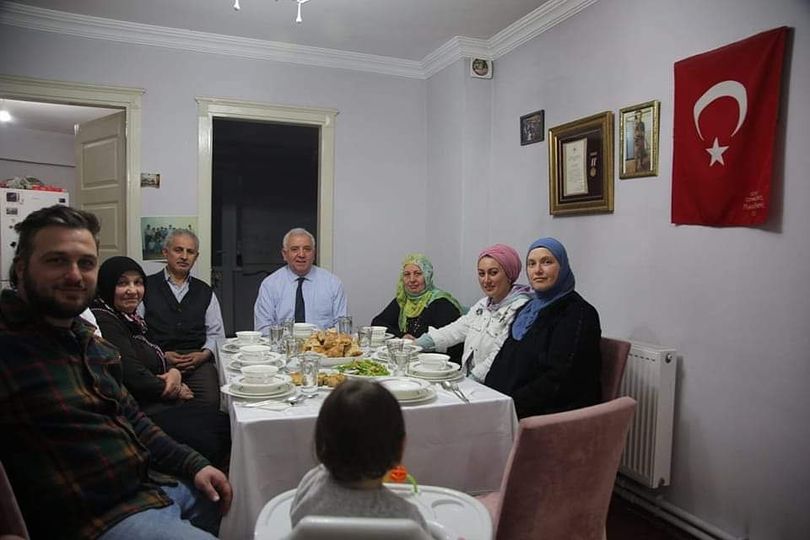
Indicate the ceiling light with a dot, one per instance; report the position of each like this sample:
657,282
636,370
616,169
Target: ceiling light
298,17
5,116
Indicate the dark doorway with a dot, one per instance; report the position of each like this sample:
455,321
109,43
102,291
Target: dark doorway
264,182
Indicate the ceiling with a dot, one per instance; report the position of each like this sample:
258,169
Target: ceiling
404,29
49,116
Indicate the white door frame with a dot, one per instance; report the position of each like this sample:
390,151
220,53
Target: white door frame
208,109
128,99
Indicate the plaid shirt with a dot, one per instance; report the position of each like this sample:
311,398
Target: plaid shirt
77,448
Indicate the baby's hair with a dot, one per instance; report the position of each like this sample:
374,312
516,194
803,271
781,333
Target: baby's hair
359,432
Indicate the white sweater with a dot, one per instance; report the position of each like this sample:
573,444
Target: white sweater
482,331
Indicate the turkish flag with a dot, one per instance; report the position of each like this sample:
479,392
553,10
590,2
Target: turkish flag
726,108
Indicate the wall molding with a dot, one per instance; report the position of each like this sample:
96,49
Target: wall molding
548,15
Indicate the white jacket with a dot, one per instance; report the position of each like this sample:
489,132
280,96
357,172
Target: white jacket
482,331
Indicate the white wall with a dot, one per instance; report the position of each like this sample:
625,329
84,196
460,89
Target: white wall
734,301
380,165
44,155
418,169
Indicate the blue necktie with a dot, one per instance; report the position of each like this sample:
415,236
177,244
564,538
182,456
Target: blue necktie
300,312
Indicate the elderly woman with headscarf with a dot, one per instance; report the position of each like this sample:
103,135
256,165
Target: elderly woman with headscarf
485,326
419,305
550,362
156,386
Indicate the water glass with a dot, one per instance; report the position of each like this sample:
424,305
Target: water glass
288,326
400,361
310,365
344,324
364,338
292,347
393,346
276,335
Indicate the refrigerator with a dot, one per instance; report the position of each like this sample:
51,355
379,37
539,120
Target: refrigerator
15,205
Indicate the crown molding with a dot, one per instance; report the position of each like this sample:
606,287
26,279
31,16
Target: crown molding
538,21
545,17
47,20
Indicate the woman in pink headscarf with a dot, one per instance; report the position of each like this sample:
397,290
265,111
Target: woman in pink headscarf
486,325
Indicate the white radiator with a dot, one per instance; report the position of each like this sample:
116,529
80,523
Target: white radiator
649,378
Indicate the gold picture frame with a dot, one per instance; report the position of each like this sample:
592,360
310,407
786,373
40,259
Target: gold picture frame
580,162
638,140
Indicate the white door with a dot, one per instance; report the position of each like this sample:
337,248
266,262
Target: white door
101,165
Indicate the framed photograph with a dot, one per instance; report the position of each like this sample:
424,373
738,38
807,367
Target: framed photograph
531,128
638,140
155,229
580,163
150,180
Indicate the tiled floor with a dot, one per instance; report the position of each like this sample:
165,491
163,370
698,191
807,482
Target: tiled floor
629,522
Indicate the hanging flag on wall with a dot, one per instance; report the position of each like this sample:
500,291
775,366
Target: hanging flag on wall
726,107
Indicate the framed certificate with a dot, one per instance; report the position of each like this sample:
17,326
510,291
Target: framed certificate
581,166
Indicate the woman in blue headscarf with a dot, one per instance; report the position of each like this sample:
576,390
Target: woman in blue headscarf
550,362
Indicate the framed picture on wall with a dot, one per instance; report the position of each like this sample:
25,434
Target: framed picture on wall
531,128
580,161
155,229
638,140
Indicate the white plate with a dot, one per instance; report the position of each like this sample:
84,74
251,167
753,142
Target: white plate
429,395
382,354
276,382
452,376
355,376
271,358
421,369
405,387
286,391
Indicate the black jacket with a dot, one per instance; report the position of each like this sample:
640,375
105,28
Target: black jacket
556,366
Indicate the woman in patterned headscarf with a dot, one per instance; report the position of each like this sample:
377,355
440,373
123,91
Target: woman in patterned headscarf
418,305
485,326
156,386
550,362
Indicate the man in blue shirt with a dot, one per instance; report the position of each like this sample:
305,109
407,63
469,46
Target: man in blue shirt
300,290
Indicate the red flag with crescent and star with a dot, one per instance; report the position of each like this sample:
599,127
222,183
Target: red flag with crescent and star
726,109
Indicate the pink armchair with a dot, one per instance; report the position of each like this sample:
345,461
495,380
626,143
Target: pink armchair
559,477
614,358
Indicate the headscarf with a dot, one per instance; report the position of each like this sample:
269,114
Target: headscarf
542,299
507,257
108,275
411,305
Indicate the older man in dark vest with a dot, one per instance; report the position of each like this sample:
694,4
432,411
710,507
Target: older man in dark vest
183,316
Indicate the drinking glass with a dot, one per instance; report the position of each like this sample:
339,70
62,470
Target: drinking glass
344,324
276,336
400,362
292,347
310,364
394,345
364,338
288,326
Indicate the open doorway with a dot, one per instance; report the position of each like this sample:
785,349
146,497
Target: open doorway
264,182
318,121
126,234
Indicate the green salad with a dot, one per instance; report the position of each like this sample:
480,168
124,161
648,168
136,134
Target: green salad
364,367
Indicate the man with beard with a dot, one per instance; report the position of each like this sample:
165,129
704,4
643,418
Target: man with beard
82,458
183,316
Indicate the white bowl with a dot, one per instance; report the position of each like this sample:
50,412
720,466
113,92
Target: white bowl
434,360
255,353
247,337
378,332
260,374
405,388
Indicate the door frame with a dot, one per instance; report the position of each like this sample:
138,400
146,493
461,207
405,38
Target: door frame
210,108
127,99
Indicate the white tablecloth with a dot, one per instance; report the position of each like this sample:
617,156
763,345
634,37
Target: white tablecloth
450,443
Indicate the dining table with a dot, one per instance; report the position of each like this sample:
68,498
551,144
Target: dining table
450,443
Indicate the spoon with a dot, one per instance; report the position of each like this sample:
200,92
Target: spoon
453,387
